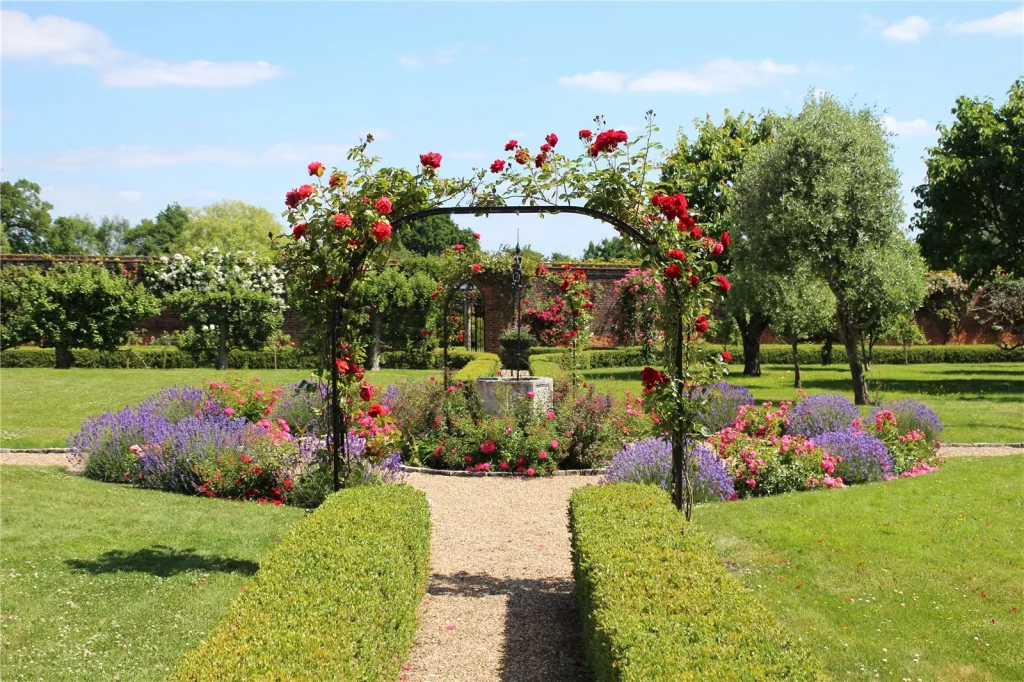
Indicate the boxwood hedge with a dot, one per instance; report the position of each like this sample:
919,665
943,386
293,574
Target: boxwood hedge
335,600
657,602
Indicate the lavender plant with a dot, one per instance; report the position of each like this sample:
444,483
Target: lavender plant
650,461
723,404
821,413
912,415
862,457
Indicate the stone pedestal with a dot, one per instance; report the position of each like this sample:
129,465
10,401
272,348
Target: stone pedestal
492,389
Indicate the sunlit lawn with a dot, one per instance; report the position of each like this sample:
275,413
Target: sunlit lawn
105,582
919,579
978,403
40,407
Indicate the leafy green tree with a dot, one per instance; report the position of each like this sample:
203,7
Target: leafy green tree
905,332
20,288
435,234
704,169
87,306
26,217
801,307
559,257
230,226
825,195
1000,307
892,286
74,235
947,301
971,208
610,250
157,237
109,236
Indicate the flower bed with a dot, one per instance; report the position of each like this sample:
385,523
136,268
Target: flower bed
767,449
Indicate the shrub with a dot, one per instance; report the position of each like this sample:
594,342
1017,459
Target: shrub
820,413
335,600
912,415
657,602
592,427
650,461
724,404
862,457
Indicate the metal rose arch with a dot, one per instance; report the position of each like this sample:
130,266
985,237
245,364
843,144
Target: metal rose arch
341,228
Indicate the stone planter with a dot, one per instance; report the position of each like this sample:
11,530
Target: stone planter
510,359
493,397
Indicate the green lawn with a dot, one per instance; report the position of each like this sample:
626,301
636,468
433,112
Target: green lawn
105,582
979,403
919,579
40,407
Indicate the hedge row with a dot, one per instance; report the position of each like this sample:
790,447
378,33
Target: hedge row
169,357
482,365
335,600
657,602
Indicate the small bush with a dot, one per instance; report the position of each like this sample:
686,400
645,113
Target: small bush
650,461
912,415
820,413
657,602
862,457
335,600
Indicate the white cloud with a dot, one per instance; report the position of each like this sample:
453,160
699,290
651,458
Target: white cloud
64,41
442,56
909,30
918,126
597,81
1009,23
130,195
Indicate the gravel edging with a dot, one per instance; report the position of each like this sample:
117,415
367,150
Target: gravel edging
499,474
41,451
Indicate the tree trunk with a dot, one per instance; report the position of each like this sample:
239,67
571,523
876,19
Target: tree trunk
906,354
373,353
64,357
222,342
851,339
751,333
796,366
826,352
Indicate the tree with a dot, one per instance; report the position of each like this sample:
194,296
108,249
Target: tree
20,287
26,217
905,332
87,306
971,208
110,235
433,235
230,226
948,299
825,195
74,235
892,286
705,169
609,250
157,237
383,292
801,307
1000,307
227,299
559,257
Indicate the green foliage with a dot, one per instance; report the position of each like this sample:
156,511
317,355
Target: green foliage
71,235
971,208
336,599
26,217
1001,308
85,306
230,226
657,602
20,289
947,301
616,249
904,331
433,235
157,237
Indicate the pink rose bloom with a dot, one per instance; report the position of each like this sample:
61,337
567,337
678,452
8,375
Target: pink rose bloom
487,447
508,429
469,459
550,414
228,412
543,454
752,483
554,445
530,472
531,395
503,466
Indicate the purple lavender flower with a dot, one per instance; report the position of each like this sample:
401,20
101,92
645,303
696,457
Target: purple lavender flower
724,400
820,413
389,398
912,415
304,411
864,458
650,461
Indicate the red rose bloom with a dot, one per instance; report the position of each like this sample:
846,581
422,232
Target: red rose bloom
316,168
717,249
695,232
701,324
342,365
459,247
511,144
498,166
585,134
673,271
366,391
545,147
651,377
383,205
476,235
608,141
694,280
336,179
487,447
551,139
342,220
677,254
522,156
299,230
541,158
353,242
673,208
378,410
381,231
726,355
725,239
431,160
477,267
723,282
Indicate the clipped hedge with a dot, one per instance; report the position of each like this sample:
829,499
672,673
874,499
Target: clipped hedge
335,600
657,602
482,365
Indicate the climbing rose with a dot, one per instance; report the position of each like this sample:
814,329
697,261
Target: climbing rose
476,267
316,168
383,206
717,249
487,447
608,141
378,410
352,242
476,235
294,197
585,134
511,144
676,254
695,232
551,139
673,207
651,377
545,147
431,160
541,158
366,391
342,220
522,156
459,247
694,280
725,238
498,166
381,231
336,179
342,365
299,230
723,282
701,324
673,271
726,355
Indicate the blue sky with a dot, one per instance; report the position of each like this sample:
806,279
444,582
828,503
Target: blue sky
121,108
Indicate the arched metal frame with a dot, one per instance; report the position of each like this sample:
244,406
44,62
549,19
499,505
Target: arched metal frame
340,426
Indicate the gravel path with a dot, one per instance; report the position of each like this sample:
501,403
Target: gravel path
500,605
38,459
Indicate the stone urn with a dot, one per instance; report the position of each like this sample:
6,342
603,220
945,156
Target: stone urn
495,392
511,358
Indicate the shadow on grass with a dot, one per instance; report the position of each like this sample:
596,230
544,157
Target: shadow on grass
162,561
542,628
